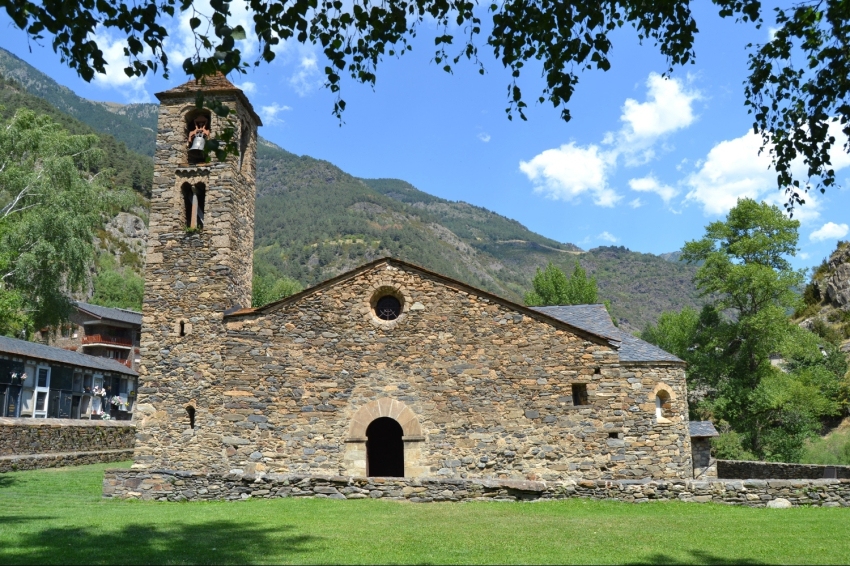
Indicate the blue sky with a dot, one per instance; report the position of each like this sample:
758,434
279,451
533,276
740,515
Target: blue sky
645,163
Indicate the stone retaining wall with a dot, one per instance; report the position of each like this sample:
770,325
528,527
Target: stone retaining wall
164,485
27,444
738,469
61,459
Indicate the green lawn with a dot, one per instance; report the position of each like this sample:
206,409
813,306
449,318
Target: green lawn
58,516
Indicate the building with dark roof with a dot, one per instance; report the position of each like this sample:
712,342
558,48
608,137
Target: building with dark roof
100,331
41,381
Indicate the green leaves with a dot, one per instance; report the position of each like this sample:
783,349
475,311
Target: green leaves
51,201
551,287
748,365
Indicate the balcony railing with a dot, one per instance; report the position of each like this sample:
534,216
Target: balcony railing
102,339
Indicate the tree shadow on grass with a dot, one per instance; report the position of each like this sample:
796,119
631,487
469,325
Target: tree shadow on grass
7,481
214,542
698,556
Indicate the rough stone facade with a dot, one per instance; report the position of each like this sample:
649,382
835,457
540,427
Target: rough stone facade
170,486
704,466
193,276
737,469
27,444
478,387
482,388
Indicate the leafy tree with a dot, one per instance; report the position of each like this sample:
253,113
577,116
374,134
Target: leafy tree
792,106
118,288
770,410
269,288
551,287
50,205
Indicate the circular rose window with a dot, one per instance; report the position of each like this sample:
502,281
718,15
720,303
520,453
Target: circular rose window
387,307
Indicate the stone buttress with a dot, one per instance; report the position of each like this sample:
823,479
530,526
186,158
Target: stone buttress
199,265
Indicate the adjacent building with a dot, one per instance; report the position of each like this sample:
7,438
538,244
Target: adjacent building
100,331
41,381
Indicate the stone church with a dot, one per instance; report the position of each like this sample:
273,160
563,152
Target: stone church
387,370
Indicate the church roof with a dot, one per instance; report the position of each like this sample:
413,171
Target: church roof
595,318
212,84
597,335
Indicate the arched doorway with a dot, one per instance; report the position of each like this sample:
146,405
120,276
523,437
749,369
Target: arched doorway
384,448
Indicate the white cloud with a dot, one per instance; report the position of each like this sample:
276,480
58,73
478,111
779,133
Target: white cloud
132,88
485,137
307,78
829,231
248,87
668,108
735,169
636,203
608,237
270,113
570,171
650,184
803,255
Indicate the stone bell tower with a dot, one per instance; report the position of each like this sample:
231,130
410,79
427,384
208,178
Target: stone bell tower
199,265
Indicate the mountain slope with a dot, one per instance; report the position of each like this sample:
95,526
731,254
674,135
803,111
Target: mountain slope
125,127
314,221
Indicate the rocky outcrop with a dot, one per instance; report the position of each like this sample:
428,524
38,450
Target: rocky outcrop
837,284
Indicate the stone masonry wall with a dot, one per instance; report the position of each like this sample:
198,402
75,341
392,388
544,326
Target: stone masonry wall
192,278
41,436
735,469
480,389
28,444
163,485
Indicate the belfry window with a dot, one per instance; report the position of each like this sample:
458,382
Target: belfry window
193,204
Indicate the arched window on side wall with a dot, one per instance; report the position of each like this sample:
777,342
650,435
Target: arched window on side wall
663,407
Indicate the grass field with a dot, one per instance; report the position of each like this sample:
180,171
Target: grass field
57,516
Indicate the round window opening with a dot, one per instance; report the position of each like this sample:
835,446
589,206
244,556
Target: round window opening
388,308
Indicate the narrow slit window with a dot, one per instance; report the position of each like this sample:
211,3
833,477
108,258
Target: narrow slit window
190,410
580,394
182,328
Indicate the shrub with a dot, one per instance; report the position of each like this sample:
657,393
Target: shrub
833,449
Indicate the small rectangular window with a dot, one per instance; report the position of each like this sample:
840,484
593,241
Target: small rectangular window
580,394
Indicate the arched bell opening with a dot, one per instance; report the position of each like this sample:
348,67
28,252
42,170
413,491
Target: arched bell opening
384,448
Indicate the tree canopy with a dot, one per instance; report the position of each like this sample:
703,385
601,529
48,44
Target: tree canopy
51,202
552,287
797,108
768,382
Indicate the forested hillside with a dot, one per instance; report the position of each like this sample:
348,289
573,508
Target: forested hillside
315,221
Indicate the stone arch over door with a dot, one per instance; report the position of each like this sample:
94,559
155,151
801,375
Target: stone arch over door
354,460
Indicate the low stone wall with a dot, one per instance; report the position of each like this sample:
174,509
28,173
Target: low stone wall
28,444
59,459
164,485
738,469
42,436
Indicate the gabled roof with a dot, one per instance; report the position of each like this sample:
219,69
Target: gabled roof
107,313
595,335
214,84
702,429
595,318
38,351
